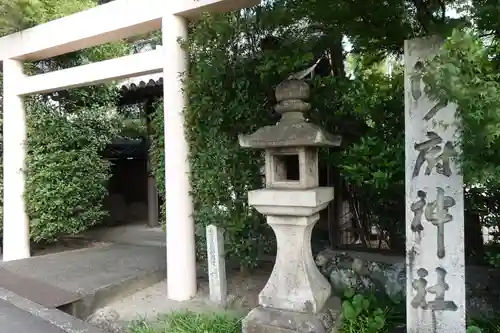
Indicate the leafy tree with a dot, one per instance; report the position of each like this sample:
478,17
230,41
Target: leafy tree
366,109
16,15
465,74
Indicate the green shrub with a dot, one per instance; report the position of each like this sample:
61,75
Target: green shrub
65,174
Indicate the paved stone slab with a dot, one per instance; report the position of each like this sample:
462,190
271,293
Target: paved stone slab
38,291
96,275
86,270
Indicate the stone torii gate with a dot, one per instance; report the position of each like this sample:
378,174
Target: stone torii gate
106,23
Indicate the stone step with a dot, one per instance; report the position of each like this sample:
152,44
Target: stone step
17,314
81,281
35,290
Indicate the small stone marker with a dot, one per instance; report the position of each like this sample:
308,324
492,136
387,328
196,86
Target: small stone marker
216,265
435,265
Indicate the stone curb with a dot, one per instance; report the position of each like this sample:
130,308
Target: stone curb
55,317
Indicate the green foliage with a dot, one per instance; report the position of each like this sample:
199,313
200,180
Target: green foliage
359,317
374,313
65,174
493,258
465,74
157,151
133,128
370,313
190,322
373,165
490,324
474,329
17,15
485,13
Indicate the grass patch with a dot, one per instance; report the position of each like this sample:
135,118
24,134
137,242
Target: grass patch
361,314
189,322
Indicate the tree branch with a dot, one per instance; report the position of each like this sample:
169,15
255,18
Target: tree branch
442,5
424,15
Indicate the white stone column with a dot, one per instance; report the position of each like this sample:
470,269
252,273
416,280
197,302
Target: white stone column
181,260
435,265
16,243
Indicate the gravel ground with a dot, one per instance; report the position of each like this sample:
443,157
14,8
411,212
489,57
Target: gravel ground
151,302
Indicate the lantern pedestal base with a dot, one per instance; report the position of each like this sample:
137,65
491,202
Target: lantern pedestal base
295,284
270,320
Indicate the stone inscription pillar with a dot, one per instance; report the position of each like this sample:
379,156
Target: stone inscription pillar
435,269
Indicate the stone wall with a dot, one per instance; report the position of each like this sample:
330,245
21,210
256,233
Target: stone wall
387,274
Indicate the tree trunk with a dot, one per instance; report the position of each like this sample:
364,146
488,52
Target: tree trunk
337,58
474,245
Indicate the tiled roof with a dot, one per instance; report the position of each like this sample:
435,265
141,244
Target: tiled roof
141,82
144,81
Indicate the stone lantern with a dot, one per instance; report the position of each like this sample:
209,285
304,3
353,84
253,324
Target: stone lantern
297,296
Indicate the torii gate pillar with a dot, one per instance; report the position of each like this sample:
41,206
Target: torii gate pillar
181,255
16,244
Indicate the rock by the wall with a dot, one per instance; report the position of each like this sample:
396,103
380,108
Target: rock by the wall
349,272
353,271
